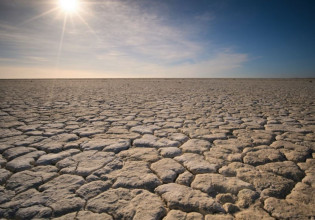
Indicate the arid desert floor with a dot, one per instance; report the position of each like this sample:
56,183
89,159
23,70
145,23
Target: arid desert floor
157,149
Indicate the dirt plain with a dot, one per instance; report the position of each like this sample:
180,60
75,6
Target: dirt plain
157,149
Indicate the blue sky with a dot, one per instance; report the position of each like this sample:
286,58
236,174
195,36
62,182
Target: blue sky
151,38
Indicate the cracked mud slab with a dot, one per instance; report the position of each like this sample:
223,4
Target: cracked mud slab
157,149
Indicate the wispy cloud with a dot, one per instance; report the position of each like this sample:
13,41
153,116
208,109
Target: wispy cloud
116,39
128,28
219,66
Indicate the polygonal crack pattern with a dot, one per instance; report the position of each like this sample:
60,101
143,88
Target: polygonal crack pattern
157,149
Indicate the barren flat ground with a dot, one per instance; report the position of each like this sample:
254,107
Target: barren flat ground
157,149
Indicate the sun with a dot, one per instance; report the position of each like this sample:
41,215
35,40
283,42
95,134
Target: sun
69,6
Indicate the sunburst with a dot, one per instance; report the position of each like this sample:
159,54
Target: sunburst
69,9
69,6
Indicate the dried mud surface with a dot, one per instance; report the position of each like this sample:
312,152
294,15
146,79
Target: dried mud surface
157,149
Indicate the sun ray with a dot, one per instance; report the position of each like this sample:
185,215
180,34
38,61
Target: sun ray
61,39
88,26
69,13
39,16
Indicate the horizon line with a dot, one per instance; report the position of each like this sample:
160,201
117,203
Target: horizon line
104,78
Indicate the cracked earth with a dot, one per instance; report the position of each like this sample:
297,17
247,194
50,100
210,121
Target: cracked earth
157,149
